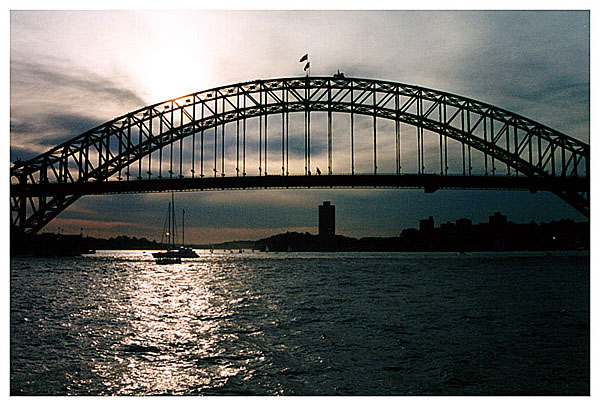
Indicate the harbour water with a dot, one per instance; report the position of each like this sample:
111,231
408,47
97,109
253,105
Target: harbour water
229,323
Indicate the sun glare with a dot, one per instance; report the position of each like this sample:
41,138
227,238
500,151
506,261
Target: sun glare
167,79
179,69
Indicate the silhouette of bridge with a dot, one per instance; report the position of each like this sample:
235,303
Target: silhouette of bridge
279,133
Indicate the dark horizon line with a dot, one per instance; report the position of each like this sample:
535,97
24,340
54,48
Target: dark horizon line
114,236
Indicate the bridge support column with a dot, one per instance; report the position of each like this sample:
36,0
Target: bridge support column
22,202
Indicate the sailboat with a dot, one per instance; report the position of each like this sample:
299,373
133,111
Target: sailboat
171,255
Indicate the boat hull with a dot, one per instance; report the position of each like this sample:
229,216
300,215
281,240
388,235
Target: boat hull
187,253
166,254
182,253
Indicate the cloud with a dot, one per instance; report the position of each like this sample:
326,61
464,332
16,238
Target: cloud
99,228
58,128
73,81
51,103
532,63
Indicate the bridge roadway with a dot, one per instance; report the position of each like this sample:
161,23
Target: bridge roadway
428,182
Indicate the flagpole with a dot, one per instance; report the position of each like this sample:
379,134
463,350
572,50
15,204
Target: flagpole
307,66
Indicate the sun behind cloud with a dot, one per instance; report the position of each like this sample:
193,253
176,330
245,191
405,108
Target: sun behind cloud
175,58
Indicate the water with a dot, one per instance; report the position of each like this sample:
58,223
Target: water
115,323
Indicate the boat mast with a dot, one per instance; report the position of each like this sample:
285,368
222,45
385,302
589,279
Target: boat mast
183,227
169,228
173,213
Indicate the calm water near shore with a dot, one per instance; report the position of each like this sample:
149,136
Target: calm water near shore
229,323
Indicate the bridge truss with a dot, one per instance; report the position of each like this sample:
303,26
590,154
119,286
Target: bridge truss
204,141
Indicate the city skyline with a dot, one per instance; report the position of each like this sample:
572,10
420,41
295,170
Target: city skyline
71,71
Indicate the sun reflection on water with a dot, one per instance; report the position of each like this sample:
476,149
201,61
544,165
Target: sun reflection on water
173,340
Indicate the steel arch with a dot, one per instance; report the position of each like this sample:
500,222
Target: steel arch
526,148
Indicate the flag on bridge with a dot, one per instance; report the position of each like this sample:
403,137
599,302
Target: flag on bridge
307,65
304,58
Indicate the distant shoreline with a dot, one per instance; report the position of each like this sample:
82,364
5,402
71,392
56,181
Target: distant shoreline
462,236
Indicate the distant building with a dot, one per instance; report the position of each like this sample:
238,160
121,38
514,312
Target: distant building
498,231
327,221
426,226
498,220
463,225
448,226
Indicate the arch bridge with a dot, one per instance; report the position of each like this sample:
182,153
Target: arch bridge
279,133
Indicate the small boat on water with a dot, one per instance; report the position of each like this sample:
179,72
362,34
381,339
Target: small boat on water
173,255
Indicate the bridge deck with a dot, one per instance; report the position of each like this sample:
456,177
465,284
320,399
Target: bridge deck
428,182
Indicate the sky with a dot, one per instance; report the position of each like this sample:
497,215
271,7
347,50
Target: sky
73,70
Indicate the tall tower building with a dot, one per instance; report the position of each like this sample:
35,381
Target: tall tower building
327,221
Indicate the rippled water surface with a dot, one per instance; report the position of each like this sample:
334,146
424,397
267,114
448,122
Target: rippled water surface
301,324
